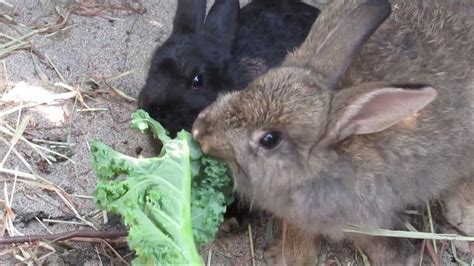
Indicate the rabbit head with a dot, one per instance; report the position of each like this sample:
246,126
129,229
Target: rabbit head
274,132
188,69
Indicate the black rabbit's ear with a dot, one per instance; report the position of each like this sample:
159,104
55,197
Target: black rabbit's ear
189,16
222,22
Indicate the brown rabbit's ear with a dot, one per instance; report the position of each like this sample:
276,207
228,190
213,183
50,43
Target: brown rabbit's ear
365,109
189,17
338,35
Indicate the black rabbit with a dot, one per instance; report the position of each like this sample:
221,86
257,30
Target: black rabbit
224,51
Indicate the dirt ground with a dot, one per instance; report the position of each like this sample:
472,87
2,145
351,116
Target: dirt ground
73,80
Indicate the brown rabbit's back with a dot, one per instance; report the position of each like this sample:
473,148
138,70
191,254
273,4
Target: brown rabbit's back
429,41
430,38
423,42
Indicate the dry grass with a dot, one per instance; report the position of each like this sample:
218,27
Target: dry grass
27,254
12,136
252,248
407,234
412,233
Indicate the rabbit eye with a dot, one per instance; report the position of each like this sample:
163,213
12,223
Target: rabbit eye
198,81
270,139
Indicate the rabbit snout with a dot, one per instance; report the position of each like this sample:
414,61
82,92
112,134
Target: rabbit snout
211,145
199,132
208,138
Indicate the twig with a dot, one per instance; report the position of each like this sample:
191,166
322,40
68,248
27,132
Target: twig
44,226
46,255
98,255
252,251
119,240
405,234
17,173
455,255
92,110
55,68
40,72
81,196
5,77
14,187
121,75
38,148
6,3
61,30
209,257
122,94
16,137
422,253
431,226
52,221
364,257
19,39
284,230
112,234
433,254
16,108
115,252
57,143
444,247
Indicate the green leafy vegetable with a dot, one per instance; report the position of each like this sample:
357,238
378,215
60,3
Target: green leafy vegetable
171,203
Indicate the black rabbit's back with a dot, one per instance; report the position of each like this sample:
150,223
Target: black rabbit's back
267,32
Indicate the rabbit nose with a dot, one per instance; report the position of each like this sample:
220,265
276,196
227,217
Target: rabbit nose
196,134
197,129
199,132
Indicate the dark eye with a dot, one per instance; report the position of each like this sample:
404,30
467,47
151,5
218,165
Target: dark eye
198,81
270,139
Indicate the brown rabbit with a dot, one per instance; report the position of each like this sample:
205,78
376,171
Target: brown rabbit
321,144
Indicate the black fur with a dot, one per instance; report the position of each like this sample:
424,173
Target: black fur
230,49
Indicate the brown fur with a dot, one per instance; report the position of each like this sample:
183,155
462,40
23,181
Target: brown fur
460,213
295,247
339,162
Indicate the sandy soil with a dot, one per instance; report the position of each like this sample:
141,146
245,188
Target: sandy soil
100,40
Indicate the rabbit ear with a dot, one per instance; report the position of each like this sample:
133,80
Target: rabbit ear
189,16
372,108
222,22
338,35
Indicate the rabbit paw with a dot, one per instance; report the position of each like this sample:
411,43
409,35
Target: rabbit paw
296,247
274,255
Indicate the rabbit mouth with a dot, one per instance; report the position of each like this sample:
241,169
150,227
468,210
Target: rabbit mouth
175,120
